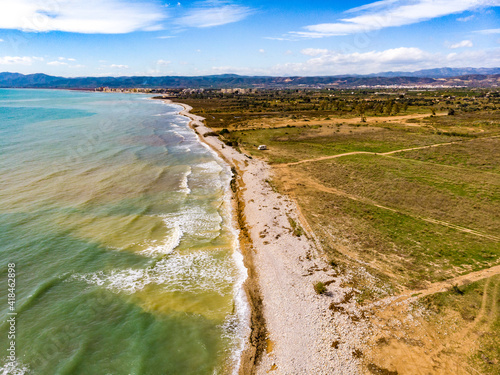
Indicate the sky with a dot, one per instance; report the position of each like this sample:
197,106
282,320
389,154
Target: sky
75,38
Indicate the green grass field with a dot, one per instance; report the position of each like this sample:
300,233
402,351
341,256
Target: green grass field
460,196
480,154
294,144
409,250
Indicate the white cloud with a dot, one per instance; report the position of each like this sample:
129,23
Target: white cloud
214,13
66,59
89,17
396,59
1,40
57,63
488,31
262,50
465,19
392,13
118,66
163,62
314,51
462,44
16,60
166,37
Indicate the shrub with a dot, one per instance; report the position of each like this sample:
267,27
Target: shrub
457,290
230,143
296,228
320,287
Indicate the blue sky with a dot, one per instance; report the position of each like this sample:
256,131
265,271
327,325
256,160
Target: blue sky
251,37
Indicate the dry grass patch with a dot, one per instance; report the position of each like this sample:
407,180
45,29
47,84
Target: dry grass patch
410,251
461,197
482,154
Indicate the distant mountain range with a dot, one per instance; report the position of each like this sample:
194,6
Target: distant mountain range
440,72
471,77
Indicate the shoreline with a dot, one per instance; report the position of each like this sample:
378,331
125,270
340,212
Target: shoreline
293,329
256,341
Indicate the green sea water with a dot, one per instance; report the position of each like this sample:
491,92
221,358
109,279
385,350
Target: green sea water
118,222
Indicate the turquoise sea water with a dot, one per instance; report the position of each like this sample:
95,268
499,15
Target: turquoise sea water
118,221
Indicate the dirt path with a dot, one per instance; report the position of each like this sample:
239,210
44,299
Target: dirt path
446,285
368,152
409,342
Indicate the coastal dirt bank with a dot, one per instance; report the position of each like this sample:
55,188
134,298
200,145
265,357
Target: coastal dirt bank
294,330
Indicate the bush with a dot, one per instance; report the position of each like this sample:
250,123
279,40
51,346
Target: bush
320,287
457,290
230,143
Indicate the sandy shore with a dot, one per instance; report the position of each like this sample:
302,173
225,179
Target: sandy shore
294,330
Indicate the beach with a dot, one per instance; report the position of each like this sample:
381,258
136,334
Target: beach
294,330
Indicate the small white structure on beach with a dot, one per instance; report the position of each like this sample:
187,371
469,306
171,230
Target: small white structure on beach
262,147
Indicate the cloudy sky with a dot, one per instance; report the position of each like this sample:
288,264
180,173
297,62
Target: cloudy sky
251,37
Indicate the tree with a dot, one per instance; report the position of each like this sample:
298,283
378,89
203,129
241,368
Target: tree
388,107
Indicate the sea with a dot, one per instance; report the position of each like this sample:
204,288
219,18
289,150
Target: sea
116,232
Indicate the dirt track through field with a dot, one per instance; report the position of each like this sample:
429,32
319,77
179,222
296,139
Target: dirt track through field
443,286
320,187
368,152
379,153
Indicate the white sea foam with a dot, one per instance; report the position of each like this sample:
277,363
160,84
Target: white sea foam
195,222
179,135
185,149
184,182
207,178
194,272
154,250
164,114
211,167
237,325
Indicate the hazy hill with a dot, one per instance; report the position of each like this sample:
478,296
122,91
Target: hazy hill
471,77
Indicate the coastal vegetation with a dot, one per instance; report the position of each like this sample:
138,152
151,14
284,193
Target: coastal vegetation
402,191
320,287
